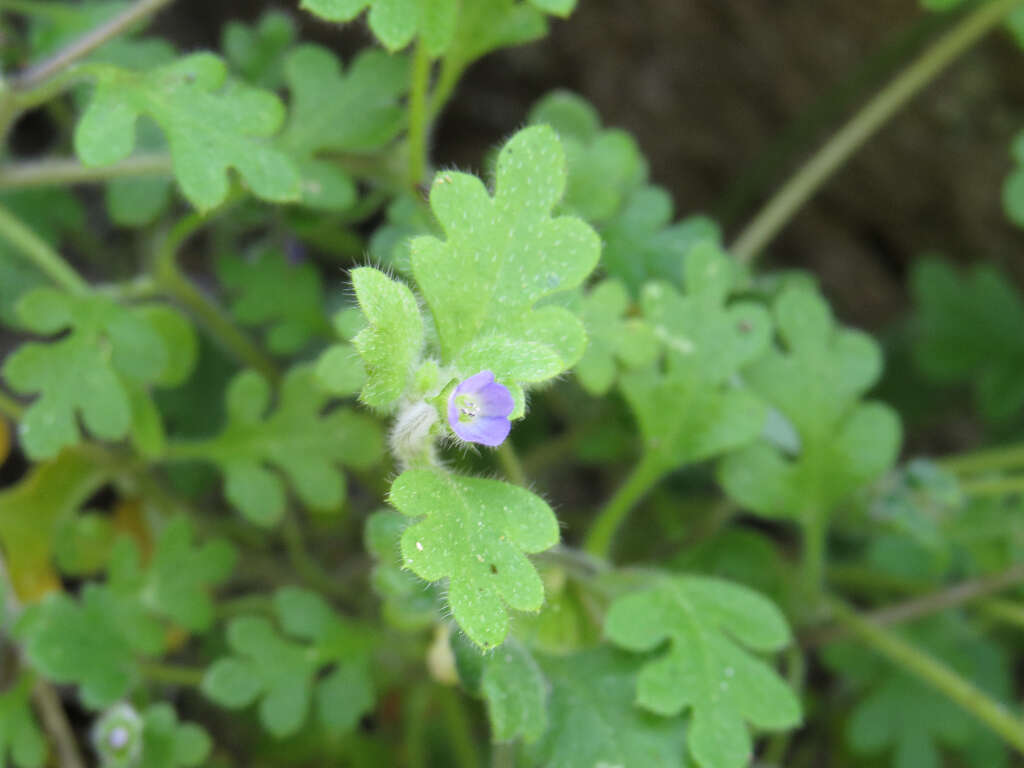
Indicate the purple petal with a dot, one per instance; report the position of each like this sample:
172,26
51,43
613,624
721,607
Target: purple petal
484,430
495,402
475,383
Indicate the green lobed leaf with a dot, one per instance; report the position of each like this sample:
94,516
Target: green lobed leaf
168,743
484,26
612,337
397,22
594,720
516,694
407,605
178,578
475,533
706,669
21,740
967,332
391,343
283,672
898,714
95,642
211,123
407,218
816,385
297,438
95,371
352,111
504,254
689,409
641,243
257,51
295,316
604,165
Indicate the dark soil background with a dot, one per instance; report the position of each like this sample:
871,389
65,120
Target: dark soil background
727,96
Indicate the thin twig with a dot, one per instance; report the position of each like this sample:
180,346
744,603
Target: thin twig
55,721
86,44
917,608
64,171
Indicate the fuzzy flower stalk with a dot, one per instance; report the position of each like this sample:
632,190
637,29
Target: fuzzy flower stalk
478,410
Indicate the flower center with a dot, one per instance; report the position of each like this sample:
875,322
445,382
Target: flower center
469,409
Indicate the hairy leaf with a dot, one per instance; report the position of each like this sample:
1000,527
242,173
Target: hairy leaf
516,694
392,341
706,668
504,254
177,580
282,671
397,22
300,441
295,316
817,385
94,642
211,123
168,743
257,51
331,110
407,605
594,720
612,337
475,533
690,409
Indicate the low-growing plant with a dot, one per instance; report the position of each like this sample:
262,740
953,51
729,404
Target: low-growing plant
314,455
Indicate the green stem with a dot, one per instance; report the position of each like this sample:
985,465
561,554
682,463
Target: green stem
645,475
936,602
511,465
932,672
418,116
86,44
994,486
815,553
447,79
57,172
503,755
40,253
815,172
172,282
11,407
172,674
985,460
1006,611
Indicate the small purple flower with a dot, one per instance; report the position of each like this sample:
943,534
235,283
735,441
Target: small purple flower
478,410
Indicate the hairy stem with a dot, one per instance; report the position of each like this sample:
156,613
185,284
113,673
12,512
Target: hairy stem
933,673
510,464
171,281
40,253
55,721
86,44
644,476
58,172
816,171
419,119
